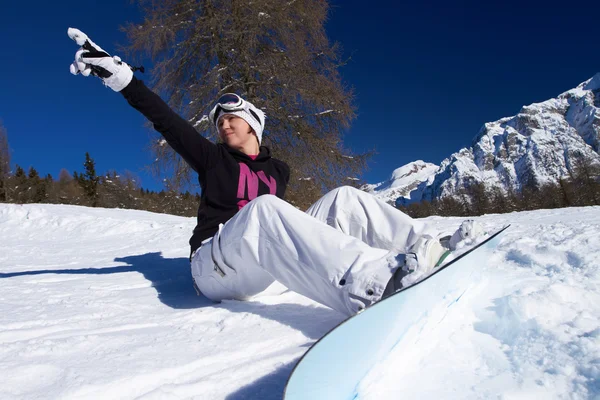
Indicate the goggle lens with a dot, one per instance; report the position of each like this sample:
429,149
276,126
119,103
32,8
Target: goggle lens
230,99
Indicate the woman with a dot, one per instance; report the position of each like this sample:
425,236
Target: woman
347,251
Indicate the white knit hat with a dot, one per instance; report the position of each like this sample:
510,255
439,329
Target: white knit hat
252,115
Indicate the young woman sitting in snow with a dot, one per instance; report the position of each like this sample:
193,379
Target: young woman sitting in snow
346,251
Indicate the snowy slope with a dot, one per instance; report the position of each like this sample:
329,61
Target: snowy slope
540,144
402,182
98,303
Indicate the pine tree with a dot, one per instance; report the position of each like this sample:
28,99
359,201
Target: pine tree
33,174
89,180
36,188
19,172
50,189
4,163
18,186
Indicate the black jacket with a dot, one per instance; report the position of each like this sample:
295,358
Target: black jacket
228,178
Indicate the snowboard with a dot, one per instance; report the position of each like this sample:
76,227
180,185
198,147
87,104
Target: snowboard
340,362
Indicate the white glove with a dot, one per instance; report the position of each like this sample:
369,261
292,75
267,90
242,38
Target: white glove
90,59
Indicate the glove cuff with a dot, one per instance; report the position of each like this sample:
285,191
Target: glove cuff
120,78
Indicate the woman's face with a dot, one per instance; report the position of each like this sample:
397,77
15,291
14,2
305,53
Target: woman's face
235,132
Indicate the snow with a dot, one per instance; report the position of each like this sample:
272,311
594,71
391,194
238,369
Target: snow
402,181
529,329
593,83
98,303
201,120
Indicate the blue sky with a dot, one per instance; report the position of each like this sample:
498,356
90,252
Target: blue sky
426,77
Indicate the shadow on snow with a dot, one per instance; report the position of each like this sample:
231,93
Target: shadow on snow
268,387
172,280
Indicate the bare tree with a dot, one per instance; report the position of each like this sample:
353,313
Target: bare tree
586,178
118,190
277,55
69,191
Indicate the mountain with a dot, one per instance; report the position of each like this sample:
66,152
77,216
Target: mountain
541,144
403,181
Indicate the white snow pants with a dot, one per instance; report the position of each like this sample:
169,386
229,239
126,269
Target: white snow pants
341,252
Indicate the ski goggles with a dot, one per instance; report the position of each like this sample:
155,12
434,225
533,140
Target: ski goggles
231,102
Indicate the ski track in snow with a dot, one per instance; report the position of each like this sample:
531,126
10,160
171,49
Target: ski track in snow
98,303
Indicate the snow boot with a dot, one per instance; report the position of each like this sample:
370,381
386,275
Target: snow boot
468,231
426,254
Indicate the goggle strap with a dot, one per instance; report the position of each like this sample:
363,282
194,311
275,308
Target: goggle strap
254,115
216,115
218,111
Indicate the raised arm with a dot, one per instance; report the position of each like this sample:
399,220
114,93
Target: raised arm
90,59
200,153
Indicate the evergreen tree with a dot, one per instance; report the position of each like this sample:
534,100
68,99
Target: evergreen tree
89,180
19,172
33,174
50,189
4,163
36,188
18,186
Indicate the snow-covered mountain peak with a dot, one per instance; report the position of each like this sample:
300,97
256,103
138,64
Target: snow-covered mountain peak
592,84
409,172
402,181
537,145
